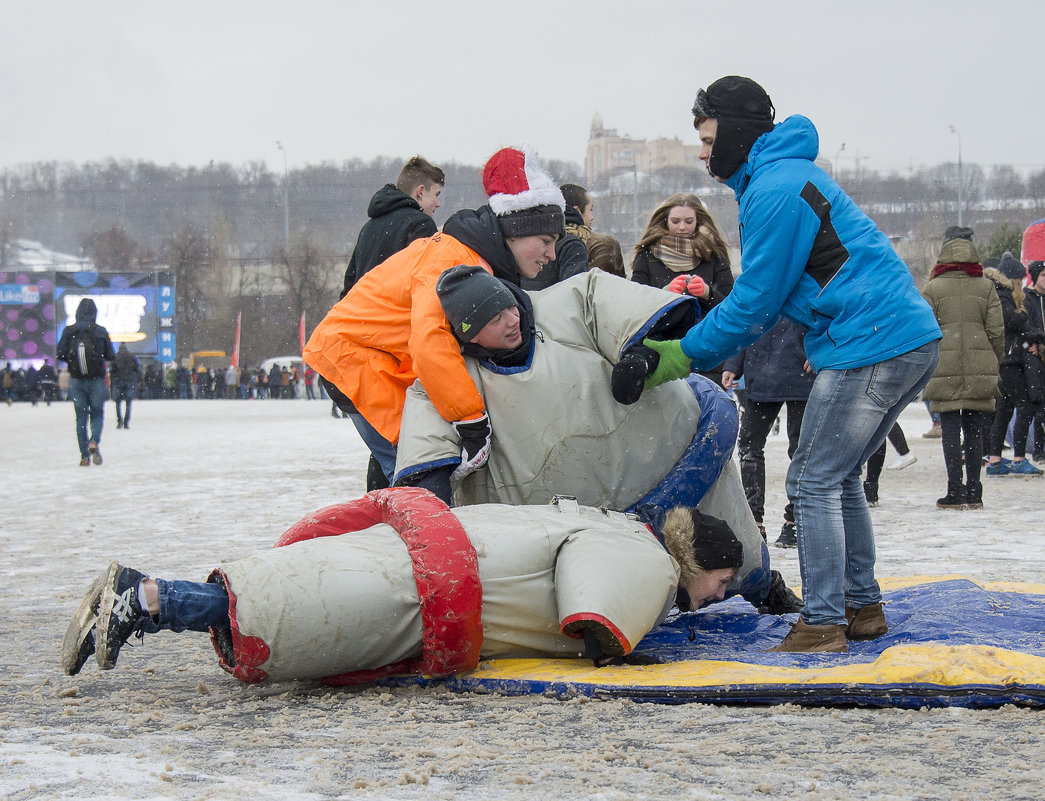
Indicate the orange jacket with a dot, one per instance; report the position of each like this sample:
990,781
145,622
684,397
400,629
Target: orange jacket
390,329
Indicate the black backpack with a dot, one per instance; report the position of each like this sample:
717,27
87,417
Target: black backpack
85,360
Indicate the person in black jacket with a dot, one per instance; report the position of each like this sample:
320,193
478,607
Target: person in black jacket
87,388
125,376
775,373
684,251
399,214
1019,341
1035,298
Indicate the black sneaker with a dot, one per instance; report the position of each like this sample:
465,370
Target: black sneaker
788,538
780,600
78,644
120,614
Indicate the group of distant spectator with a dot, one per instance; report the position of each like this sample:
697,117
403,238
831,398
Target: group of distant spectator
32,385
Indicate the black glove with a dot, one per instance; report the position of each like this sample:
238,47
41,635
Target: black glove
629,374
475,445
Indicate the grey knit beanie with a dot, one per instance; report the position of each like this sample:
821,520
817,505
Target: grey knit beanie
470,298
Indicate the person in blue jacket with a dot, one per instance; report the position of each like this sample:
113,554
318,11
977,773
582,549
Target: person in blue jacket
872,341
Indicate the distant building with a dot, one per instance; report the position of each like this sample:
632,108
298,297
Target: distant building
610,154
28,256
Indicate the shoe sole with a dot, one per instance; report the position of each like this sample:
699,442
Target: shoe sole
865,637
78,644
105,606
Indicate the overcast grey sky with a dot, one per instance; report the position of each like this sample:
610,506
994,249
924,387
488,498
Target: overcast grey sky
201,80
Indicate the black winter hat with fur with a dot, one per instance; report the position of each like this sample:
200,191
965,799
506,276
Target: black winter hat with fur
1035,268
743,110
699,542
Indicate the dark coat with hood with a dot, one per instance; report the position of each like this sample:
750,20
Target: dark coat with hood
125,368
395,221
571,258
86,317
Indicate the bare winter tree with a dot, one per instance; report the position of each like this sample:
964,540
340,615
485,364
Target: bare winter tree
312,275
113,250
187,254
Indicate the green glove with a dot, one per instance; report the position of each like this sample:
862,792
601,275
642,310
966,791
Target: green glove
673,362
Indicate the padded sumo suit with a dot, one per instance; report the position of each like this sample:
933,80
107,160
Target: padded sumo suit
557,429
396,582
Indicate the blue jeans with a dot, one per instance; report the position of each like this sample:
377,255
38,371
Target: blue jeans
125,391
847,417
190,605
88,396
383,450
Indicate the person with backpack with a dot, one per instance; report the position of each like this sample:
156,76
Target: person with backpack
85,346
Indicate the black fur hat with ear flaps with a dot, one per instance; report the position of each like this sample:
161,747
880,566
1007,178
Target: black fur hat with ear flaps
699,542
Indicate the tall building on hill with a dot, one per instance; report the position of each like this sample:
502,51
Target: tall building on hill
609,153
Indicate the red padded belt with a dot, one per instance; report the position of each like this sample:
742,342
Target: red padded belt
446,570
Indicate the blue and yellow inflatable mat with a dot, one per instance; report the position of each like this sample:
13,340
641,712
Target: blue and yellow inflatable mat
951,642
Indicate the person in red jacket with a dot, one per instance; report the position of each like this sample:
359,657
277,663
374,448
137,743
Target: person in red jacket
390,330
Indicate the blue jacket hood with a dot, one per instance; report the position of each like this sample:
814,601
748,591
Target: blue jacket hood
794,138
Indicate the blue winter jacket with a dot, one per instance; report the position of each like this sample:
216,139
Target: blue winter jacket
810,254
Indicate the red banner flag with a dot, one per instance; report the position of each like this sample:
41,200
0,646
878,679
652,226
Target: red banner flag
235,349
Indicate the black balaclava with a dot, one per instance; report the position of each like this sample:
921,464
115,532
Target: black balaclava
743,111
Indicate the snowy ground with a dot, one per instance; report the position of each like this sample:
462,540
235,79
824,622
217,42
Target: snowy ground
194,483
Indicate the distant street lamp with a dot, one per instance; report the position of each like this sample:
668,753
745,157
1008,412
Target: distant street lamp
286,199
834,166
961,202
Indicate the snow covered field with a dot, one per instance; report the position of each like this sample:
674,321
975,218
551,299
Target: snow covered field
195,483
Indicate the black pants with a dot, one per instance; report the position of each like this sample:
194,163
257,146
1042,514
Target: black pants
1024,414
877,460
756,421
962,436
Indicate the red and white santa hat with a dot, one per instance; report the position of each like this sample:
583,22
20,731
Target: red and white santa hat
524,197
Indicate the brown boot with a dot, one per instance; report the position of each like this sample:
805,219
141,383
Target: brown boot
808,638
867,623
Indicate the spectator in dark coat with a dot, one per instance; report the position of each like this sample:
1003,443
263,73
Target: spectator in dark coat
684,251
124,377
399,213
1008,282
776,374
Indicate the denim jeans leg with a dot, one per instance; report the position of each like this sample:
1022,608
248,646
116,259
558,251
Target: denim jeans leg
847,417
190,605
99,393
383,450
79,394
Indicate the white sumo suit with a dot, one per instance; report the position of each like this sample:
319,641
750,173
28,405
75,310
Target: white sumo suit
557,429
396,582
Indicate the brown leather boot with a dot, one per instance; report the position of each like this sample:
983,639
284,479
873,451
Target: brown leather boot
867,623
808,638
